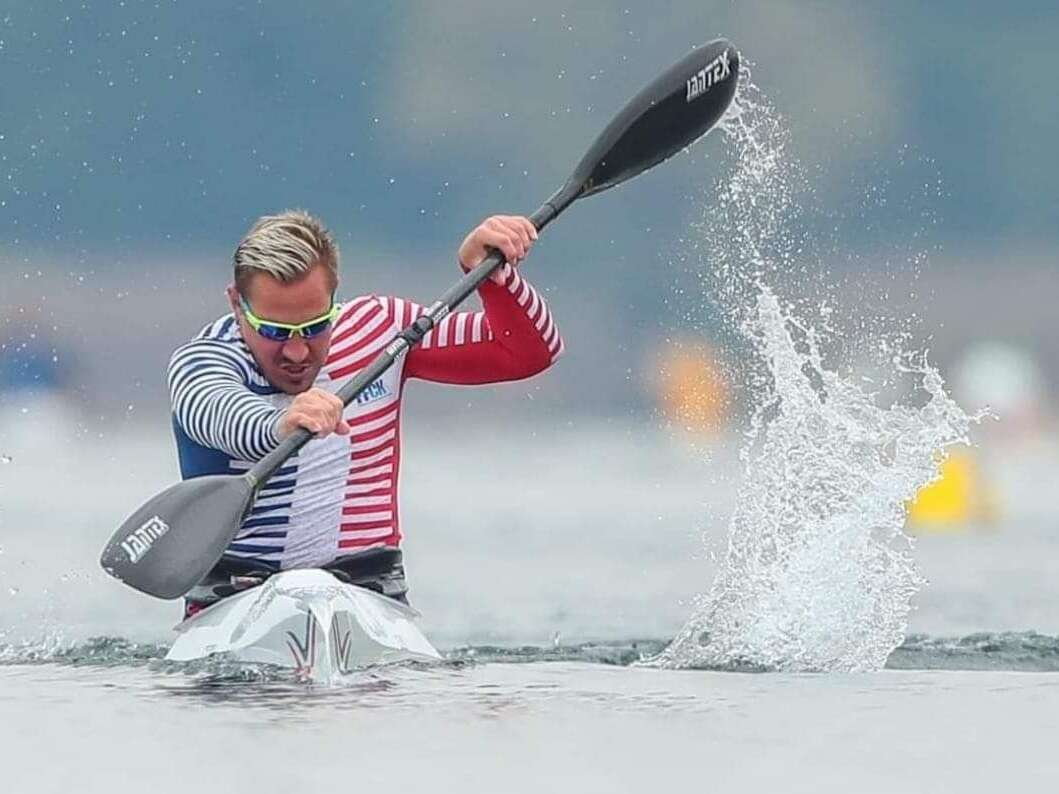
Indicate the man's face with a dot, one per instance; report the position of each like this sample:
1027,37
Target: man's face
290,366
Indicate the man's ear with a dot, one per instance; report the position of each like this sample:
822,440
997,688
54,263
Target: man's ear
233,297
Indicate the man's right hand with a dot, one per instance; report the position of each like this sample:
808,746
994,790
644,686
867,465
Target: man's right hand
316,410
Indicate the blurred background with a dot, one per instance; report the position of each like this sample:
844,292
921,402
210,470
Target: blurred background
139,140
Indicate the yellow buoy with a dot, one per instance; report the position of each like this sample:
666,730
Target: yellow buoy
956,499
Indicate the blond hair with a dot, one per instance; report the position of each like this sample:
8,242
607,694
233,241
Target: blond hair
285,246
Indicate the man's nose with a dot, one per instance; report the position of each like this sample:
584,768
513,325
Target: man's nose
296,350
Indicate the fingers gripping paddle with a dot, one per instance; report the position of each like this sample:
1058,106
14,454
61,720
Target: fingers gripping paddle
170,543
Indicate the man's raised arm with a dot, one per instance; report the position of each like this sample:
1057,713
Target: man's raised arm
513,338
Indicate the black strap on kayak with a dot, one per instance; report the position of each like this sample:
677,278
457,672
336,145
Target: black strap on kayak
380,570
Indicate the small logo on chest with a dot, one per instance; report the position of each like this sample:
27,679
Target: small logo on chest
375,390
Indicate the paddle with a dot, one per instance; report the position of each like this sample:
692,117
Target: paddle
173,540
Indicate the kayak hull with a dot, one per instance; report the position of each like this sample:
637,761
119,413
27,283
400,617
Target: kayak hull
306,620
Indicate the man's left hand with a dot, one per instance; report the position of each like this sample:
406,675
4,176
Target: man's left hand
512,235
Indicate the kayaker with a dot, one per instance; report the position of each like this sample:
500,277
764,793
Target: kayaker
272,364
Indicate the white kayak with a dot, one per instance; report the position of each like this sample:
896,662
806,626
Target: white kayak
306,620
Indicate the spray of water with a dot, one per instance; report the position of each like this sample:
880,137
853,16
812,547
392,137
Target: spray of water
818,573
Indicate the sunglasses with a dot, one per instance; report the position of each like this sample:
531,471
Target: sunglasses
281,332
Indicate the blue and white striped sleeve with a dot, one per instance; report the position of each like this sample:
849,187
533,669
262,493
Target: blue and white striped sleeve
213,404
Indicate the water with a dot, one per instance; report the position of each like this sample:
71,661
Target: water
572,565
527,728
818,574
513,710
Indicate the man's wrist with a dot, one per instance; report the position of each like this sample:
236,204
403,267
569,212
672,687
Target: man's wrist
276,430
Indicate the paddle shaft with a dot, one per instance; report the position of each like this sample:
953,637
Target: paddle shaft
410,336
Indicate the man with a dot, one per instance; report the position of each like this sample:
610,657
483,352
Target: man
272,366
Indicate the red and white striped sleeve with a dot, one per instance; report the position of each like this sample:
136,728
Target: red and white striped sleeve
513,338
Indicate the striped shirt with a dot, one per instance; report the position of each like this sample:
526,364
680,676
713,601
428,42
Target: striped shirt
338,495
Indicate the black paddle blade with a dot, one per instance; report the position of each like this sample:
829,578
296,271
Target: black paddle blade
675,110
167,546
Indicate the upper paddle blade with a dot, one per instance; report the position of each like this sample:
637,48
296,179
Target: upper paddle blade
672,112
168,545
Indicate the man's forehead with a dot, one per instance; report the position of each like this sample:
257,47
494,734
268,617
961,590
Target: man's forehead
316,284
289,302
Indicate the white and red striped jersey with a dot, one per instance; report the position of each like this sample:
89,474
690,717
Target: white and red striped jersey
339,494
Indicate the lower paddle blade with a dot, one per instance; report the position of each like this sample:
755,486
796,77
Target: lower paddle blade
674,111
167,546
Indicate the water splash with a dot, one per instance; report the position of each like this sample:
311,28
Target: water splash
817,574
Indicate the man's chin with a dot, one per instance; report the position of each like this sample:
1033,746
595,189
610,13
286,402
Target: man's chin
294,384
